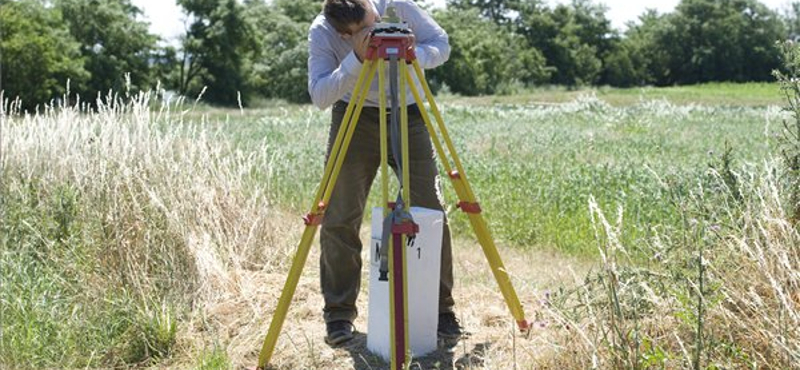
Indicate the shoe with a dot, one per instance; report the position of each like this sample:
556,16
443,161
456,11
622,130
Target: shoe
338,332
449,327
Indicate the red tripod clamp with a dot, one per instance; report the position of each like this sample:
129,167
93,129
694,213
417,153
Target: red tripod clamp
315,219
408,228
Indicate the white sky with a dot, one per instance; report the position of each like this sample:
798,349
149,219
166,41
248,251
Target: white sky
166,18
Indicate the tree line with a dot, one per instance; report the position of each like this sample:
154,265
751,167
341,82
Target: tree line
234,52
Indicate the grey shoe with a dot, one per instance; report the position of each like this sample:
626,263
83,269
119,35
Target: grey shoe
449,327
338,332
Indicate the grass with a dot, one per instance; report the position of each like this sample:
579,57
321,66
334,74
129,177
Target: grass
533,168
718,294
710,94
150,235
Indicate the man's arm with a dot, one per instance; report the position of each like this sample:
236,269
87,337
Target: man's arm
432,44
328,81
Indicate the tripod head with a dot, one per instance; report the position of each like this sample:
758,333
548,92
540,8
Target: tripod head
391,39
393,25
391,30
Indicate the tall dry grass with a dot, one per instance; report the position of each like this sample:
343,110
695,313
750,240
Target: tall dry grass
163,222
140,235
724,293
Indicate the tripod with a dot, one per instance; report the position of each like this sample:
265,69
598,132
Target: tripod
391,42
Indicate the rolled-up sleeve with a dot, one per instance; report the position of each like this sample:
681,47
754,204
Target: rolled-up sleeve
328,80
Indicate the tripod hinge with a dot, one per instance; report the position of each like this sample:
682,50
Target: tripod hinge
312,219
454,175
411,55
469,207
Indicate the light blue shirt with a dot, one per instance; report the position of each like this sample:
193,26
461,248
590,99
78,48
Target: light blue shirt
333,67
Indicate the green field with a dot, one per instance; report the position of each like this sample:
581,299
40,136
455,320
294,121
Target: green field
152,235
535,166
713,94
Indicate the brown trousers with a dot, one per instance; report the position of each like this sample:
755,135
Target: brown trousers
340,261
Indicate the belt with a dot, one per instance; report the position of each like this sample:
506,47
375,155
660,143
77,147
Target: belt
412,108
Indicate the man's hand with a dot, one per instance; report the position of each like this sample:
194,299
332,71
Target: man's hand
360,42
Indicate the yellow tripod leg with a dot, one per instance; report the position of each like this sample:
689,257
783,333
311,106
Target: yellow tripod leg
465,194
384,137
360,88
324,191
371,66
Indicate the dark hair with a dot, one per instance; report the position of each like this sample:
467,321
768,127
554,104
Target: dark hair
342,13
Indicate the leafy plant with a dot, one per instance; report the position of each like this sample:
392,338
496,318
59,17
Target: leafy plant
789,141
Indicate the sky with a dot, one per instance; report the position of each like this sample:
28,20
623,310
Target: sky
166,18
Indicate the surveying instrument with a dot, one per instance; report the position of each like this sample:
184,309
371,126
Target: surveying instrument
391,43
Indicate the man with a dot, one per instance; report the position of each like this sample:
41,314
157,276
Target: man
338,40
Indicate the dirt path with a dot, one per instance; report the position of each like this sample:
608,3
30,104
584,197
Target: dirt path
493,341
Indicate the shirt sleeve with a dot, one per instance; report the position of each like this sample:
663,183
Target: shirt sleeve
328,81
432,43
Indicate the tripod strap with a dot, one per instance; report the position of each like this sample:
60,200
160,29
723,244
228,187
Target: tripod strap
394,128
399,213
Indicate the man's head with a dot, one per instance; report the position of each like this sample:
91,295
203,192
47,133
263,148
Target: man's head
349,17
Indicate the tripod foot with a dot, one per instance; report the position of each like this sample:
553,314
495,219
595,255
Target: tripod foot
523,325
525,328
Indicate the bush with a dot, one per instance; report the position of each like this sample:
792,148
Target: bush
789,143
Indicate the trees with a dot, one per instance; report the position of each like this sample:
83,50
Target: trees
215,50
639,57
791,19
113,44
252,48
712,40
280,66
38,53
94,44
300,11
501,12
573,38
725,40
259,47
484,57
703,40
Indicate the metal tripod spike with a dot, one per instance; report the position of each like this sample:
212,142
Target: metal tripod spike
391,41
